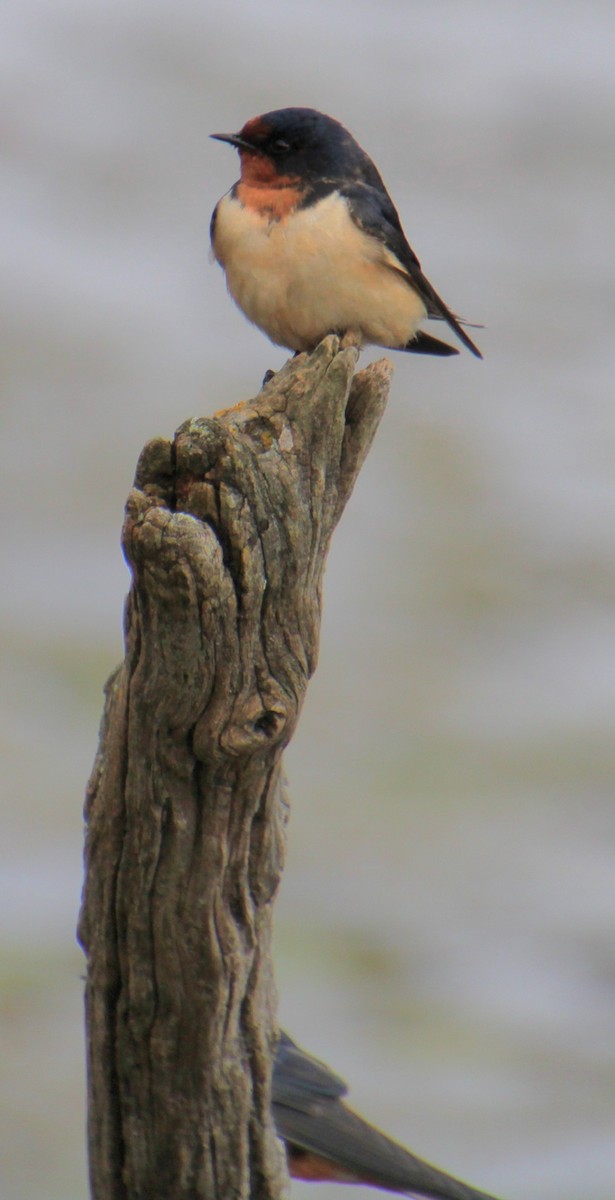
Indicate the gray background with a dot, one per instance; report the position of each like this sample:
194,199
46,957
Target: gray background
445,927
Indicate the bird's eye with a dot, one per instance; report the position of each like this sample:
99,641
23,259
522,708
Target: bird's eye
280,145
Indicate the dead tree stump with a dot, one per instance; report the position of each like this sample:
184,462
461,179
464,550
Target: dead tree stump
226,533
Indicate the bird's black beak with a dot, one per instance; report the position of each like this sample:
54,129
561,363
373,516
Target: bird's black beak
233,139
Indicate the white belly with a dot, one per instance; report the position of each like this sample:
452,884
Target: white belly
311,273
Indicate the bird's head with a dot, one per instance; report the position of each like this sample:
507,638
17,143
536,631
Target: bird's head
297,143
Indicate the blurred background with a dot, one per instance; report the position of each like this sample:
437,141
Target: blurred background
445,929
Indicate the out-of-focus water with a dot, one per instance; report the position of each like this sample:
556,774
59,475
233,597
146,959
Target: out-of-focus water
445,928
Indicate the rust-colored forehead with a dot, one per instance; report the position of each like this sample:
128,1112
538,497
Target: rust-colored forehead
256,127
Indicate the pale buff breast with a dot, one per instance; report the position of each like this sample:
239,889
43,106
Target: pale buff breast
311,272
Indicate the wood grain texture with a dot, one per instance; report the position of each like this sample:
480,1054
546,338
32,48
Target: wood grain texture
227,531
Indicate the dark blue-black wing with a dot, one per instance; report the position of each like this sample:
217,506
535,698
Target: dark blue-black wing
310,1116
373,211
299,1079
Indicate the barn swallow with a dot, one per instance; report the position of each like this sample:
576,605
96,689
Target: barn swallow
311,241
325,1140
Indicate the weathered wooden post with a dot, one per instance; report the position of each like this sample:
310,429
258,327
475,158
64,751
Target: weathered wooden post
227,531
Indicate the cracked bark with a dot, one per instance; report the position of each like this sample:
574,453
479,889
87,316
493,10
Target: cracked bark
226,532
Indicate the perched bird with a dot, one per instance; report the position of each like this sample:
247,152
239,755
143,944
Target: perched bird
327,1141
311,241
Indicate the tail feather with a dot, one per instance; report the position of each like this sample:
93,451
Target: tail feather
424,343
